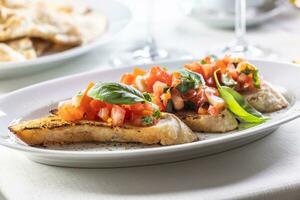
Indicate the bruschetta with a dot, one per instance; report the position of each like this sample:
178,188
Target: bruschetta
244,78
106,112
185,94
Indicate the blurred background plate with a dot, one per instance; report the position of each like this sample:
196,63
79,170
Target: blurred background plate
220,13
118,17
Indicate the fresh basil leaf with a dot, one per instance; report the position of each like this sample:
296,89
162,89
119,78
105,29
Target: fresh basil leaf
256,79
116,93
169,107
147,120
226,80
202,62
156,114
147,97
185,86
166,89
238,105
189,80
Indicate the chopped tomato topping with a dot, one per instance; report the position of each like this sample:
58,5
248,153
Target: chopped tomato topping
96,104
128,79
213,111
157,74
137,71
195,67
158,88
213,99
117,115
69,112
165,98
202,111
104,113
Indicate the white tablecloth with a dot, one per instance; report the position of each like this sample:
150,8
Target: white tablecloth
266,169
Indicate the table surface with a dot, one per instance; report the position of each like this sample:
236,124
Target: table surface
266,169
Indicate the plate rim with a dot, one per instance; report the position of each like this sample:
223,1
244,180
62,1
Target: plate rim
153,150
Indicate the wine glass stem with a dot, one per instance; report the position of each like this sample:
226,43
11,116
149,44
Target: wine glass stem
151,42
240,22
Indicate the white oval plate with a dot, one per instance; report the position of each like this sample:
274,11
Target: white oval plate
38,99
118,17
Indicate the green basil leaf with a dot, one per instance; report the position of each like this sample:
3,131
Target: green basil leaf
238,105
116,93
256,79
202,62
189,80
147,120
185,86
169,107
226,80
147,97
156,114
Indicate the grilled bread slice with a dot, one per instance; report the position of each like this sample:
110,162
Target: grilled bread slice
53,129
224,122
267,99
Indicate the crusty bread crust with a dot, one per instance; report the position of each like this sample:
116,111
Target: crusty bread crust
53,129
267,99
224,122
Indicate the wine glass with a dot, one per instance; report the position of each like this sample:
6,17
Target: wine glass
149,51
239,47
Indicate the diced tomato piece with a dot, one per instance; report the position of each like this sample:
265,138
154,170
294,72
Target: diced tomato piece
85,101
128,79
165,97
148,106
158,88
137,71
136,119
137,108
156,100
117,115
69,112
213,111
220,64
128,115
96,105
109,106
207,71
232,73
195,67
202,111
213,99
211,82
103,113
243,78
227,60
157,74
208,59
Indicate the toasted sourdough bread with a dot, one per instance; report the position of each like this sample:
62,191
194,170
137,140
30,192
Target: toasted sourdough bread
224,122
267,99
53,129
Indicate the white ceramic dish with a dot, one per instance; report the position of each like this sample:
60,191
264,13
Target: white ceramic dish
38,99
118,16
